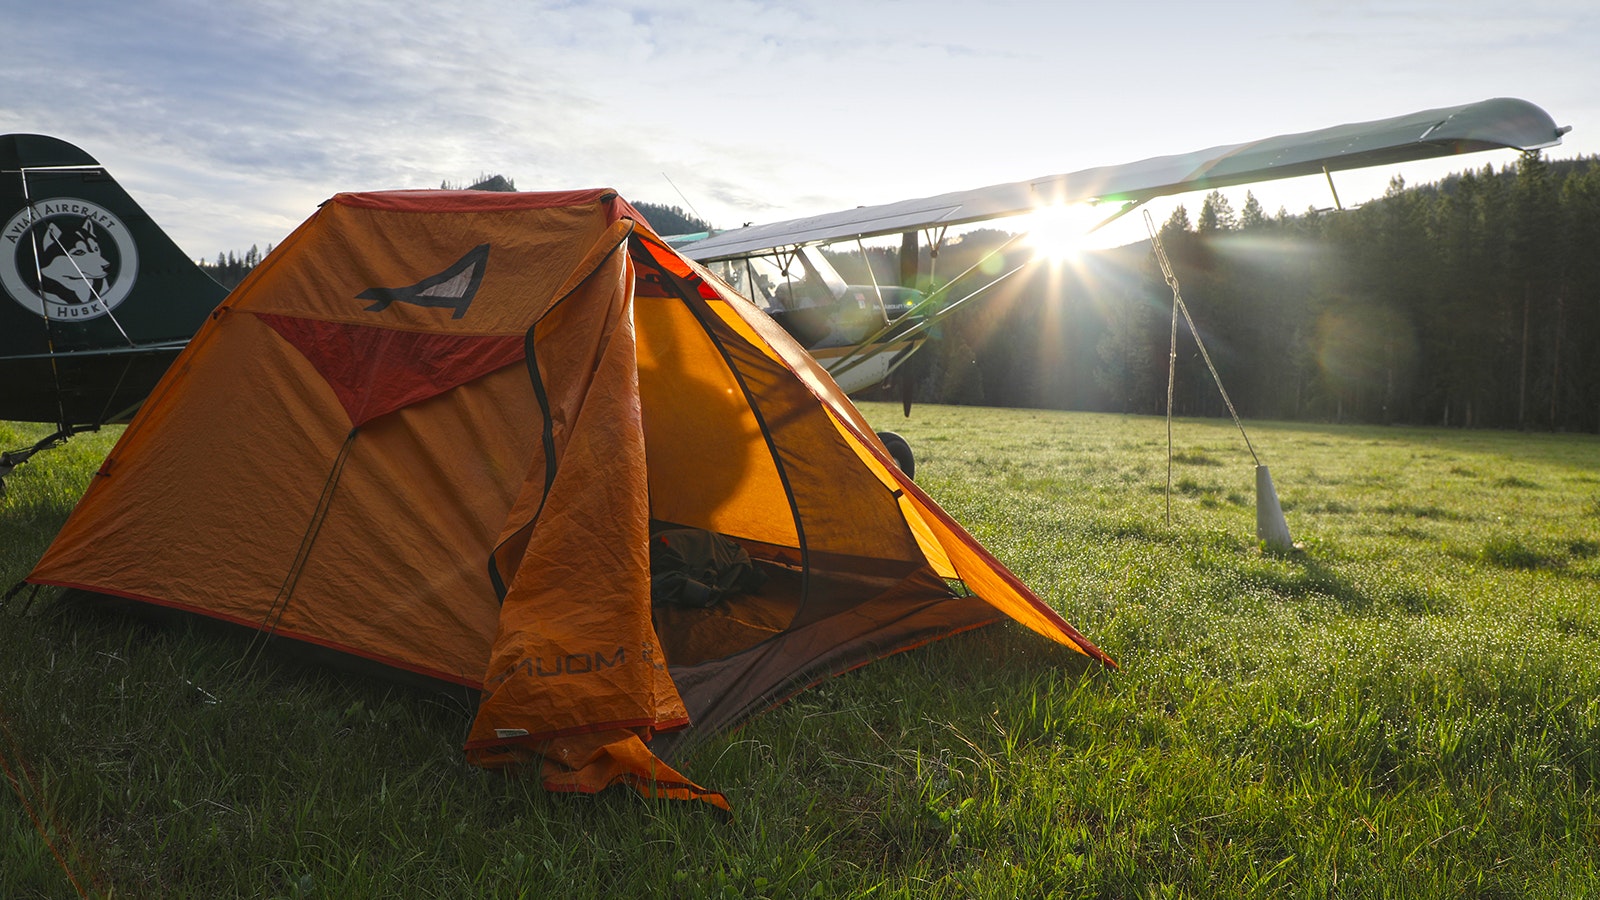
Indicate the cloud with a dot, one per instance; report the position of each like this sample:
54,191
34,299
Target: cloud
757,110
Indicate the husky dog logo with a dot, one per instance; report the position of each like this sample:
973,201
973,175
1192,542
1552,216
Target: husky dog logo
72,268
68,260
451,289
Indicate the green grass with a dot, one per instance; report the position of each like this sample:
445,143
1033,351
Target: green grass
1408,706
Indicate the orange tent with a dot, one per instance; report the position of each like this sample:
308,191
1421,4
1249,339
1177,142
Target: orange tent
435,430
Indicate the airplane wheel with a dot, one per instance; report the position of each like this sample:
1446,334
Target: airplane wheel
901,451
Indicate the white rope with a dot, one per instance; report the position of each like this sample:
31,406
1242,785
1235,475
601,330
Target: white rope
1172,354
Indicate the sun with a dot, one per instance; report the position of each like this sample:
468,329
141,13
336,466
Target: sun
1059,233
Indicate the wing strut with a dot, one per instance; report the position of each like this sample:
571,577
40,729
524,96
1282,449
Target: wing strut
856,357
1336,204
861,353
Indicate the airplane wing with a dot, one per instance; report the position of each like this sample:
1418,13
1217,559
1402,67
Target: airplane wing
1487,125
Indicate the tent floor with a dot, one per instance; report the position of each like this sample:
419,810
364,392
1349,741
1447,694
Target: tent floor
692,636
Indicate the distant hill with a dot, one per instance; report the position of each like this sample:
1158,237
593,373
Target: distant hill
484,182
671,219
664,219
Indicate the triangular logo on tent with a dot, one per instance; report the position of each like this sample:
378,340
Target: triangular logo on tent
451,289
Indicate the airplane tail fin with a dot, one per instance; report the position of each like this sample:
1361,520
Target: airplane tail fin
95,299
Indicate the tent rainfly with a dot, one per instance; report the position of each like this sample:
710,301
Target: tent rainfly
436,430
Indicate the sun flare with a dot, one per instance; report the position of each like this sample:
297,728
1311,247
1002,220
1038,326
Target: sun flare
1059,233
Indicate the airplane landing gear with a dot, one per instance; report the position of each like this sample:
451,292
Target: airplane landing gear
901,451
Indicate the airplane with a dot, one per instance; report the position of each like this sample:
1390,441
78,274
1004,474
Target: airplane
778,264
99,300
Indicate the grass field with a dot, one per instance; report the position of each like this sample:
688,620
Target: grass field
1409,706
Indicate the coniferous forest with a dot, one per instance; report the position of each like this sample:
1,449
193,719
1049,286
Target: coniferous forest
230,268
1474,302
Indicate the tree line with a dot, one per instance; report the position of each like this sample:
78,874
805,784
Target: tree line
1471,302
230,268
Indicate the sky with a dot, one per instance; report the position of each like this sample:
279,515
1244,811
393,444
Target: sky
229,122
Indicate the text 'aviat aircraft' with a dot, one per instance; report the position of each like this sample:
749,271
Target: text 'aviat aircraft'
98,300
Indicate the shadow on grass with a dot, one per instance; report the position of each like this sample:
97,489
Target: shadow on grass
1516,553
1430,511
1137,530
1299,575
